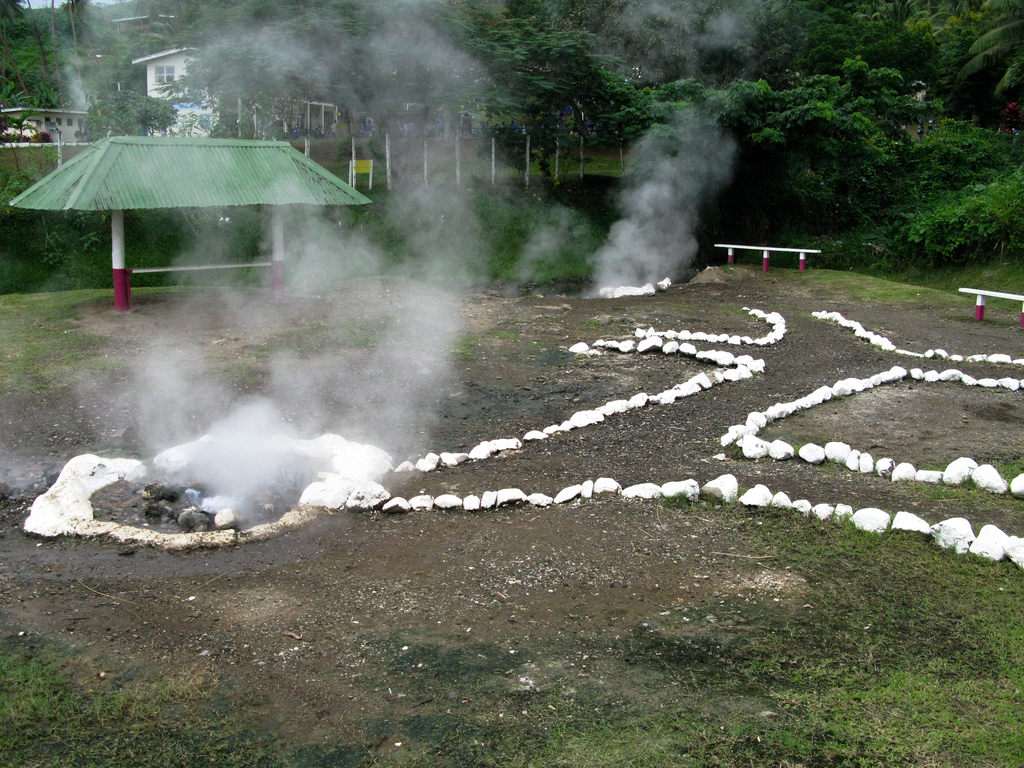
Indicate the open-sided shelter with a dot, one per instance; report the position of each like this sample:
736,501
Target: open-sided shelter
124,172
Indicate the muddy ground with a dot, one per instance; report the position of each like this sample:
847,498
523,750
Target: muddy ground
358,629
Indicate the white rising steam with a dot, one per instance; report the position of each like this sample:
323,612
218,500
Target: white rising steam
674,170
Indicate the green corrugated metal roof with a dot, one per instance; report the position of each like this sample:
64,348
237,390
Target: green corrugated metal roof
125,172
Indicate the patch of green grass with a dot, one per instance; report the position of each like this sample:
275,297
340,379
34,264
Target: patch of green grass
506,335
48,719
868,288
465,347
40,345
319,337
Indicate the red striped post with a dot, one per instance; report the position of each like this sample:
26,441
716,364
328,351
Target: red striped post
122,286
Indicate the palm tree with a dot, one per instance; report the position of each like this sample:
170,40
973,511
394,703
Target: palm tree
76,9
1003,38
53,36
10,10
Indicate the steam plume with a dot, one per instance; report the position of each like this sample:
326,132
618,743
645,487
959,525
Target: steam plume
673,170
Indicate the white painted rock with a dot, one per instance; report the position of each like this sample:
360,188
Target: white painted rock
866,464
649,344
448,501
639,400
396,504
884,467
991,543
614,406
687,488
585,418
534,434
780,450
1014,550
606,485
579,349
903,472
871,519
568,494
509,496
331,493
66,503
482,451
670,347
586,489
488,499
837,452
405,466
907,521
471,503
933,476
844,510
539,500
758,496
724,487
367,496
823,511
958,470
803,506
642,491
506,444
781,501
988,479
811,453
1011,384
954,533
1017,486
754,447
421,503
454,459
852,462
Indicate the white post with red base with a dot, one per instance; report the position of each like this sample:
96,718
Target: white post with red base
122,284
803,261
732,255
277,259
764,262
979,302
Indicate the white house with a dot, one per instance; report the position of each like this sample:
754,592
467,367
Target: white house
162,70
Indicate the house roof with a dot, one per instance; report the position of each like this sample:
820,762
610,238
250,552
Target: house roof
160,55
127,172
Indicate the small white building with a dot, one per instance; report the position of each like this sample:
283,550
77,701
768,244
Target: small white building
69,123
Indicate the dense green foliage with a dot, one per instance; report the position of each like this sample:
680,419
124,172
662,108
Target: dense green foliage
877,131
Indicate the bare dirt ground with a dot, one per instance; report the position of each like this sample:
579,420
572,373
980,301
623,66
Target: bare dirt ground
359,629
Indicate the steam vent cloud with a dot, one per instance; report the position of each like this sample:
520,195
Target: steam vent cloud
672,171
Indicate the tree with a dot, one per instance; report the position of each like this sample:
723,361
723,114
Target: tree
125,113
53,36
10,10
1001,44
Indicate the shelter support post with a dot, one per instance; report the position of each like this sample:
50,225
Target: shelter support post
764,261
277,259
979,308
732,255
122,288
